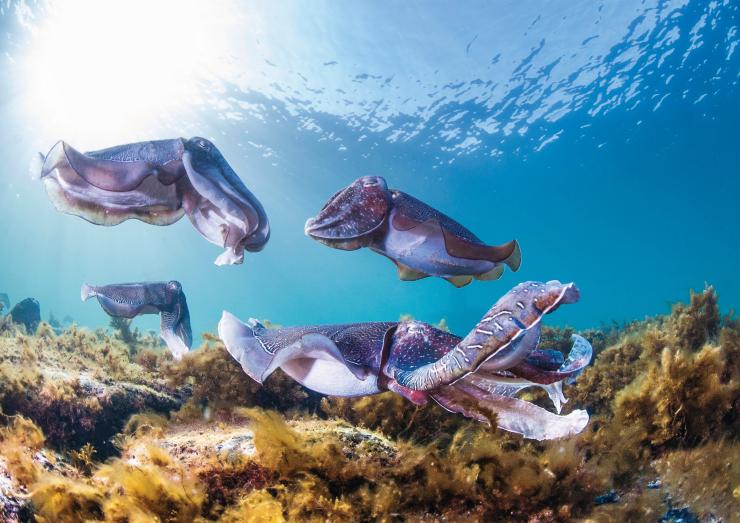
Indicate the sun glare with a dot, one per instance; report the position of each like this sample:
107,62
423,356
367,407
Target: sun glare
109,68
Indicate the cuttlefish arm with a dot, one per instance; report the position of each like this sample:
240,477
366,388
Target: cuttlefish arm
490,390
128,300
478,376
158,182
495,340
482,393
340,360
219,205
546,369
540,368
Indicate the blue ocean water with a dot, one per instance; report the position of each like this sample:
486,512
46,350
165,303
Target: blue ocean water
601,135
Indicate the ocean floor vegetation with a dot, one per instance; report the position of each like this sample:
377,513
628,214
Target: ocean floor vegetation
105,426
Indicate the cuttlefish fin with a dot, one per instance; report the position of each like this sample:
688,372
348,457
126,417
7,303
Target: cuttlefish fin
493,274
244,344
460,281
508,253
258,359
314,346
406,273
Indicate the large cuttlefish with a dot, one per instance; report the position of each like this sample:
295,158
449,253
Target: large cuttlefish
476,376
128,300
420,240
157,182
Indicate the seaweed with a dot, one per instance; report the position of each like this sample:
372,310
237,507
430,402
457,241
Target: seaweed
697,322
664,395
324,473
123,332
640,506
83,458
218,384
157,490
707,478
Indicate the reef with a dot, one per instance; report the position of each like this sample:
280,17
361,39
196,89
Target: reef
79,387
195,440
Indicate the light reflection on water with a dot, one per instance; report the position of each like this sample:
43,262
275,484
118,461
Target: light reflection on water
458,80
596,133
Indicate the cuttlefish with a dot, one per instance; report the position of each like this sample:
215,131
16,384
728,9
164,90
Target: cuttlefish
158,182
419,239
128,300
476,376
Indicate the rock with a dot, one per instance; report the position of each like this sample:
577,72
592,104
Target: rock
27,313
15,505
4,302
195,444
12,504
88,410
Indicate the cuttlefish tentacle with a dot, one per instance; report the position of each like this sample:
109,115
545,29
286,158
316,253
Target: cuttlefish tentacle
128,300
580,355
158,182
512,414
420,240
477,376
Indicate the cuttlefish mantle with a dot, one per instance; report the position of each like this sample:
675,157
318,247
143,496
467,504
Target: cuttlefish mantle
477,376
128,300
158,182
419,239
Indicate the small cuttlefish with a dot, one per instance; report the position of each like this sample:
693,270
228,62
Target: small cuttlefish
127,300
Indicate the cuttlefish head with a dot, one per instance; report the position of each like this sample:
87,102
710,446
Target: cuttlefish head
350,219
172,291
213,178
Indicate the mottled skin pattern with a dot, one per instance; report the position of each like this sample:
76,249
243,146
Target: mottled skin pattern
475,375
158,182
128,300
420,240
359,343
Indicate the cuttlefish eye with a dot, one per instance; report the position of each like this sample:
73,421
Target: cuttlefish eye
174,286
373,181
200,144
